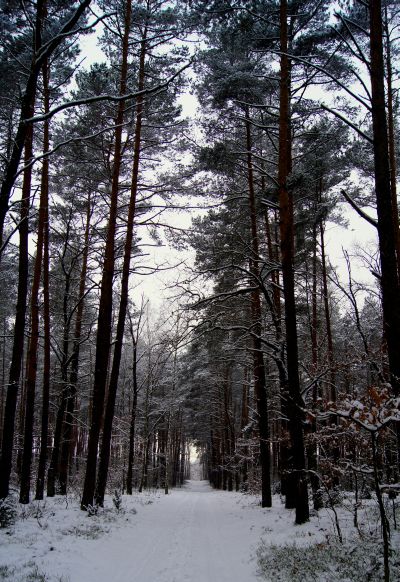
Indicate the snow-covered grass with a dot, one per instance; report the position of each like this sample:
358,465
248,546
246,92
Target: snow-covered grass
49,538
351,552
194,534
354,560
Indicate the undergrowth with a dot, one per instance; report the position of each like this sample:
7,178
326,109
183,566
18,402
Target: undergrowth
28,572
356,560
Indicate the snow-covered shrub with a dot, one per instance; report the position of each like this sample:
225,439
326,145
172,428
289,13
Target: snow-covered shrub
332,496
8,512
35,574
92,510
93,531
365,491
117,499
276,487
28,572
330,561
6,572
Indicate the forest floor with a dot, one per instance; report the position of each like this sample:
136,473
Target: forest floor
194,534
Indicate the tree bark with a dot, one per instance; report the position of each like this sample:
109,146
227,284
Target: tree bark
392,138
386,231
294,402
387,214
260,387
131,453
71,389
19,334
53,471
103,337
113,385
23,138
43,233
331,355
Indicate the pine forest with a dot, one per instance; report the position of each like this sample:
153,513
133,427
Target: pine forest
199,290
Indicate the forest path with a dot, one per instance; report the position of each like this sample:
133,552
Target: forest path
194,534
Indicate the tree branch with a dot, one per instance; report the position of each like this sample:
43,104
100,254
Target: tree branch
107,97
359,210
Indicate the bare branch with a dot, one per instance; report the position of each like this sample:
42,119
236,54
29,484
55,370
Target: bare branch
359,210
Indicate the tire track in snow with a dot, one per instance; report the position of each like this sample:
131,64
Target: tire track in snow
194,534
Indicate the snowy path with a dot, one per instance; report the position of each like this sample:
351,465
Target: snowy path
195,534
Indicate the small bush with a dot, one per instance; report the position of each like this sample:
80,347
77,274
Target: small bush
92,510
8,512
36,575
89,532
332,497
6,572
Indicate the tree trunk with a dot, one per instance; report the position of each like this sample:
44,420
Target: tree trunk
103,337
19,332
382,512
275,276
23,138
312,451
294,401
331,357
71,390
113,385
44,233
387,215
392,139
54,467
260,387
131,454
386,231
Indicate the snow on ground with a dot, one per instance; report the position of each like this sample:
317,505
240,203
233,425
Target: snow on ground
194,534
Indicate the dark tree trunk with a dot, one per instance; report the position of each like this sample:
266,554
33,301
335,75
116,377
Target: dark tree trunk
23,138
275,277
113,385
103,337
131,453
329,337
312,452
71,389
294,402
243,423
44,234
387,214
31,371
19,334
392,138
54,466
260,387
386,231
